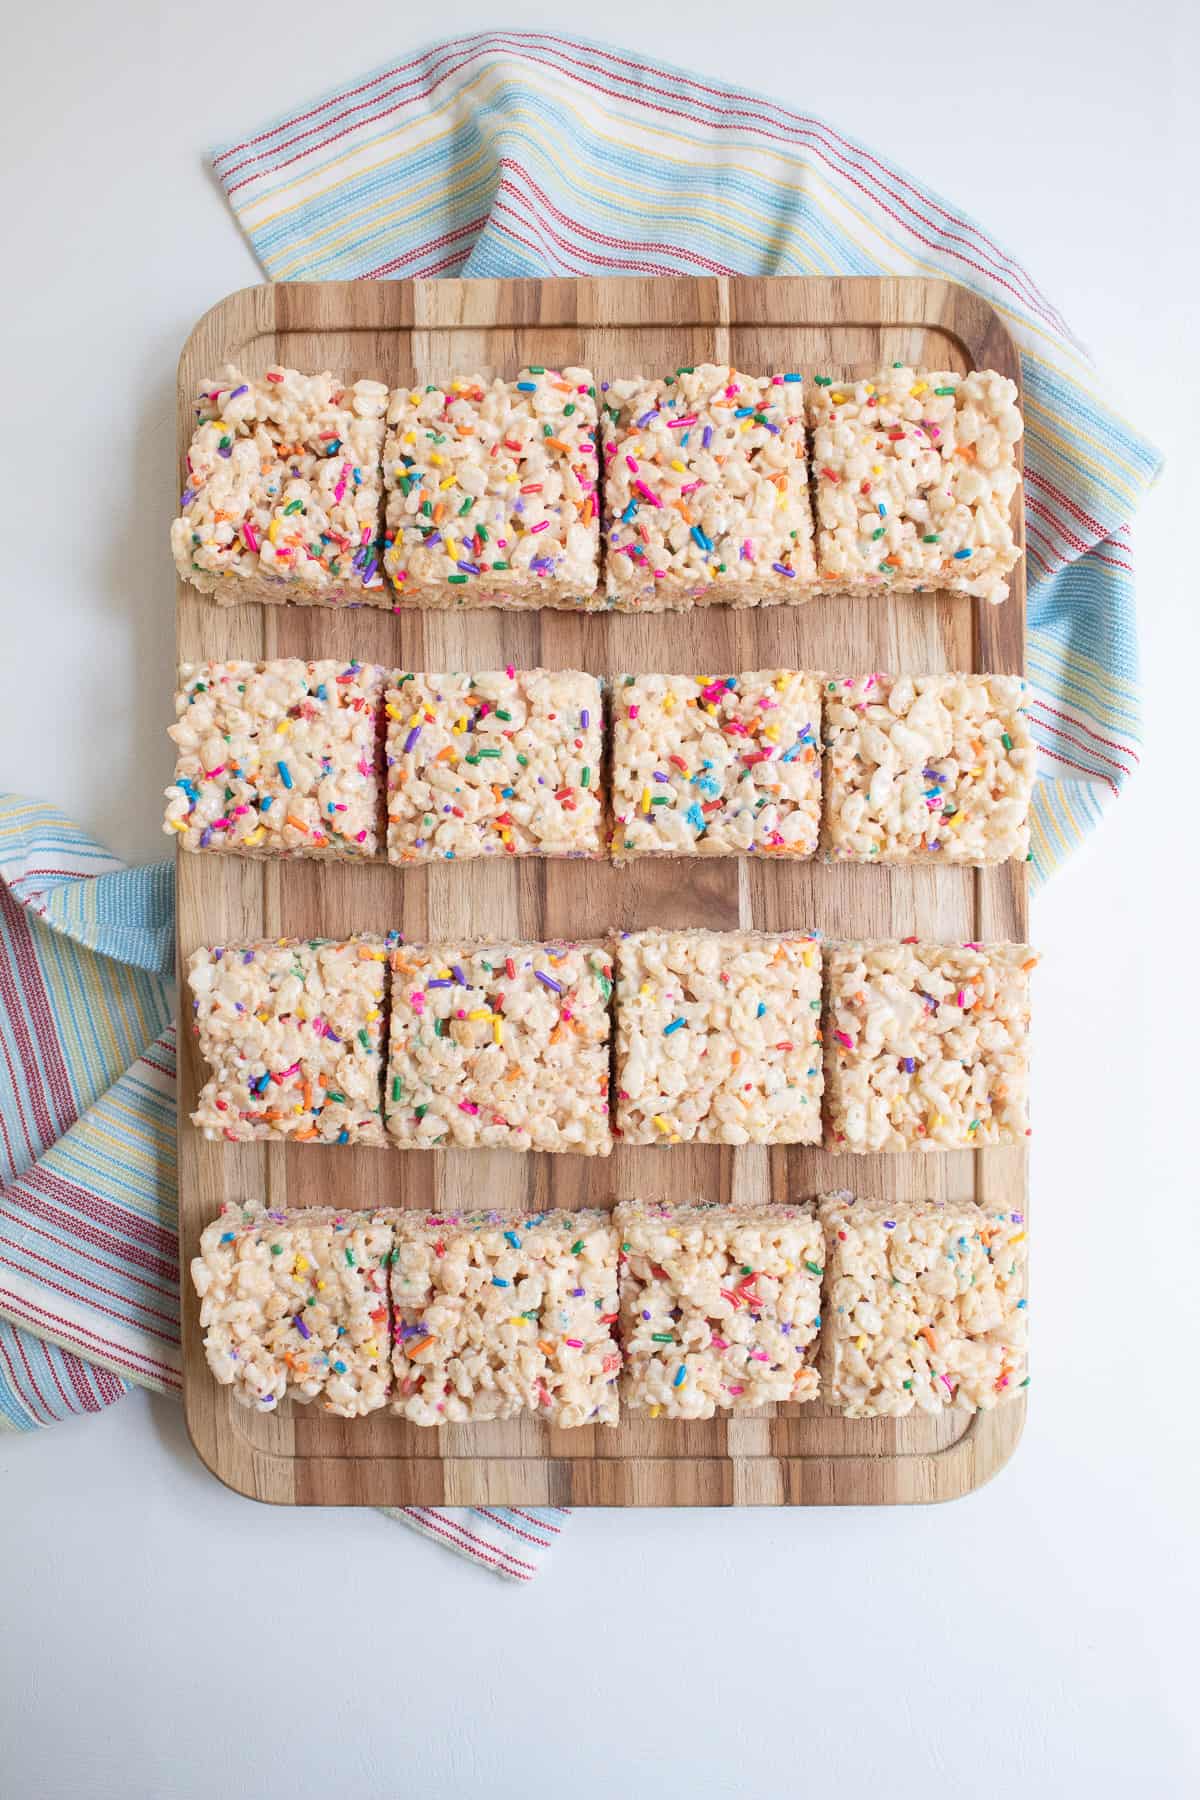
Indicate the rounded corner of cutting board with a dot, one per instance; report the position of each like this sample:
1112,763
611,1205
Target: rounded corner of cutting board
210,330
982,1453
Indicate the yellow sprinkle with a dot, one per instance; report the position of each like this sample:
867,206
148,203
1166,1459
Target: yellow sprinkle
371,1347
459,725
177,824
273,531
439,462
497,1030
449,482
676,464
860,1342
646,800
661,1122
480,1012
807,959
320,1287
771,733
520,1319
920,388
654,1411
673,1231
839,399
301,1264
669,701
253,837
410,437
934,1122
393,712
868,388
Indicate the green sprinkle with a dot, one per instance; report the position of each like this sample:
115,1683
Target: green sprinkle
338,1099
662,1337
568,410
523,760
535,370
466,506
456,578
499,565
879,533
293,506
276,1249
420,1111
1006,740
577,1246
506,716
584,777
488,753
814,1268
944,390
364,1039
823,380
933,538
397,1089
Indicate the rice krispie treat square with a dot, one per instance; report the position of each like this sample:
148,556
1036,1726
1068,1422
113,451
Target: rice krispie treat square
915,475
706,490
727,765
491,492
507,762
501,1046
497,1316
927,768
927,1045
720,1307
283,493
718,1038
277,758
924,1306
296,1303
292,1034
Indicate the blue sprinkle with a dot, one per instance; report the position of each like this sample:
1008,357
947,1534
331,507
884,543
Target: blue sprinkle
285,774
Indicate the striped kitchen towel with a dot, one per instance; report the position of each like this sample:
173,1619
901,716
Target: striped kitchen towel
515,153
89,1278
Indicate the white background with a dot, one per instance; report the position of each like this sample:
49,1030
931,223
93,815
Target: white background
164,1638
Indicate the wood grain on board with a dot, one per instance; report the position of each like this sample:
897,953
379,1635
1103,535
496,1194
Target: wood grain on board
427,331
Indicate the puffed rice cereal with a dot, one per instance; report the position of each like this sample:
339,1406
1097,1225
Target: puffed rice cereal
276,758
498,1316
927,768
283,492
720,1307
706,490
491,490
292,1034
727,765
507,763
717,1038
296,1303
500,1046
927,1045
915,475
924,1306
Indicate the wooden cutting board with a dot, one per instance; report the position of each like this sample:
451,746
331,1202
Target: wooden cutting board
428,330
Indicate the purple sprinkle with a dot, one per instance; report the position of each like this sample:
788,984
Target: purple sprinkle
439,984
548,981
411,739
456,969
584,719
889,1224
780,569
301,1327
434,537
187,496
706,440
578,1293
469,568
646,418
909,1065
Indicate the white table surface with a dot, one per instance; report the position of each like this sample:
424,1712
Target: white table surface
163,1638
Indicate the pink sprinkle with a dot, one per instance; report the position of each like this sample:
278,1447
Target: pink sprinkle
631,464
239,810
735,1390
248,536
760,1356
633,712
575,1343
843,1039
360,837
678,424
509,670
691,487
544,526
467,1106
647,494
340,489
747,549
720,1343
962,994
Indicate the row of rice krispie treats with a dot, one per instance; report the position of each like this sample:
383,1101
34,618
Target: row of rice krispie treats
675,1312
720,1037
302,758
485,492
